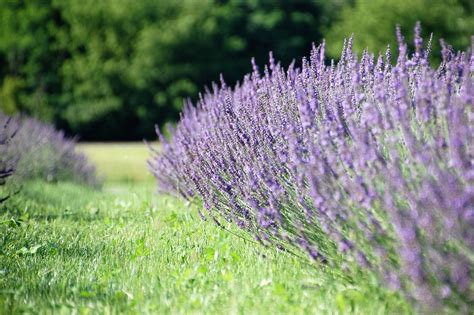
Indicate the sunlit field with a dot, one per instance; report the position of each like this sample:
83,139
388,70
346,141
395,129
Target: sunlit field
119,161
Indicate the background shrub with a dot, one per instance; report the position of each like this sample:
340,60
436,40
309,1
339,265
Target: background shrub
42,152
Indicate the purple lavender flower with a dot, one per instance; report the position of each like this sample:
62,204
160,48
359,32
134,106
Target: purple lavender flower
41,151
359,160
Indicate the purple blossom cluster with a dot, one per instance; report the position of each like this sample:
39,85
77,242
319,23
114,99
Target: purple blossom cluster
42,152
365,162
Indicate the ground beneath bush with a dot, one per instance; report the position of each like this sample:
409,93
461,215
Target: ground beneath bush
67,248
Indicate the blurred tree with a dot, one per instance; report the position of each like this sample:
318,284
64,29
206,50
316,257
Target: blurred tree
111,69
373,23
176,57
99,100
29,58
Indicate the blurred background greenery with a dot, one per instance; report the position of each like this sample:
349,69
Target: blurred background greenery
111,69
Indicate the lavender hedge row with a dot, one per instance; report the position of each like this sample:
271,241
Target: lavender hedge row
42,152
365,161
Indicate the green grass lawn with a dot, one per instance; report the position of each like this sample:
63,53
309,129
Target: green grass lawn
70,249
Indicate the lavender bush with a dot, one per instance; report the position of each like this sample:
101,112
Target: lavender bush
357,162
7,161
43,152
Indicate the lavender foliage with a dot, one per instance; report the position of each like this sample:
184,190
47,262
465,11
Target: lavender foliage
42,152
367,161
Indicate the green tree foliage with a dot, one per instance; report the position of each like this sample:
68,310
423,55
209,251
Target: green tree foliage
373,23
111,69
29,57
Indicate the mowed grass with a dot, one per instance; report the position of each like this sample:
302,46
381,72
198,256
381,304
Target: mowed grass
119,161
70,249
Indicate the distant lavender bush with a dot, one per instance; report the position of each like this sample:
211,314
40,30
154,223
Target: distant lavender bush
360,161
42,152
